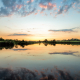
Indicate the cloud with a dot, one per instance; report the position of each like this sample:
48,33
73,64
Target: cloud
28,13
67,5
47,4
19,6
28,7
32,11
65,53
63,30
30,1
8,3
43,6
15,34
51,6
42,10
4,11
66,1
64,8
20,49
36,13
11,7
61,10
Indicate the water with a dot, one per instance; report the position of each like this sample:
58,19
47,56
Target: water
38,57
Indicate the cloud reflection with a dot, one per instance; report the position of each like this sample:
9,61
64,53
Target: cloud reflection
20,49
26,74
65,53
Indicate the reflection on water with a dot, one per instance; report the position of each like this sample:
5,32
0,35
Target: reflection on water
26,74
66,53
19,49
40,59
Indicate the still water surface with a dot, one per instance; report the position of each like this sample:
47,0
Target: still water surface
40,57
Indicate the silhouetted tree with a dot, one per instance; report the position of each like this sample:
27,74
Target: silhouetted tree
54,40
1,39
39,41
45,40
22,40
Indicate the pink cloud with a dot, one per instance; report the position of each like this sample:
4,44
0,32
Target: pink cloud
65,10
43,6
41,12
36,13
66,6
55,9
55,16
38,10
19,6
30,1
74,5
49,6
58,9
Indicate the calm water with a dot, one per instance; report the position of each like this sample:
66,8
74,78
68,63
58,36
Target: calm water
40,57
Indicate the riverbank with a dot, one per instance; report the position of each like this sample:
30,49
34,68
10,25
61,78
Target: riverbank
10,44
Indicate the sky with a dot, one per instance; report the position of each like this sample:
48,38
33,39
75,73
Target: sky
39,19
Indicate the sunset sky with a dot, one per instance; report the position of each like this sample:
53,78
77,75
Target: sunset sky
39,19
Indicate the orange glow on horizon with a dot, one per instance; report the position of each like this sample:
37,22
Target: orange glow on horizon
40,38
